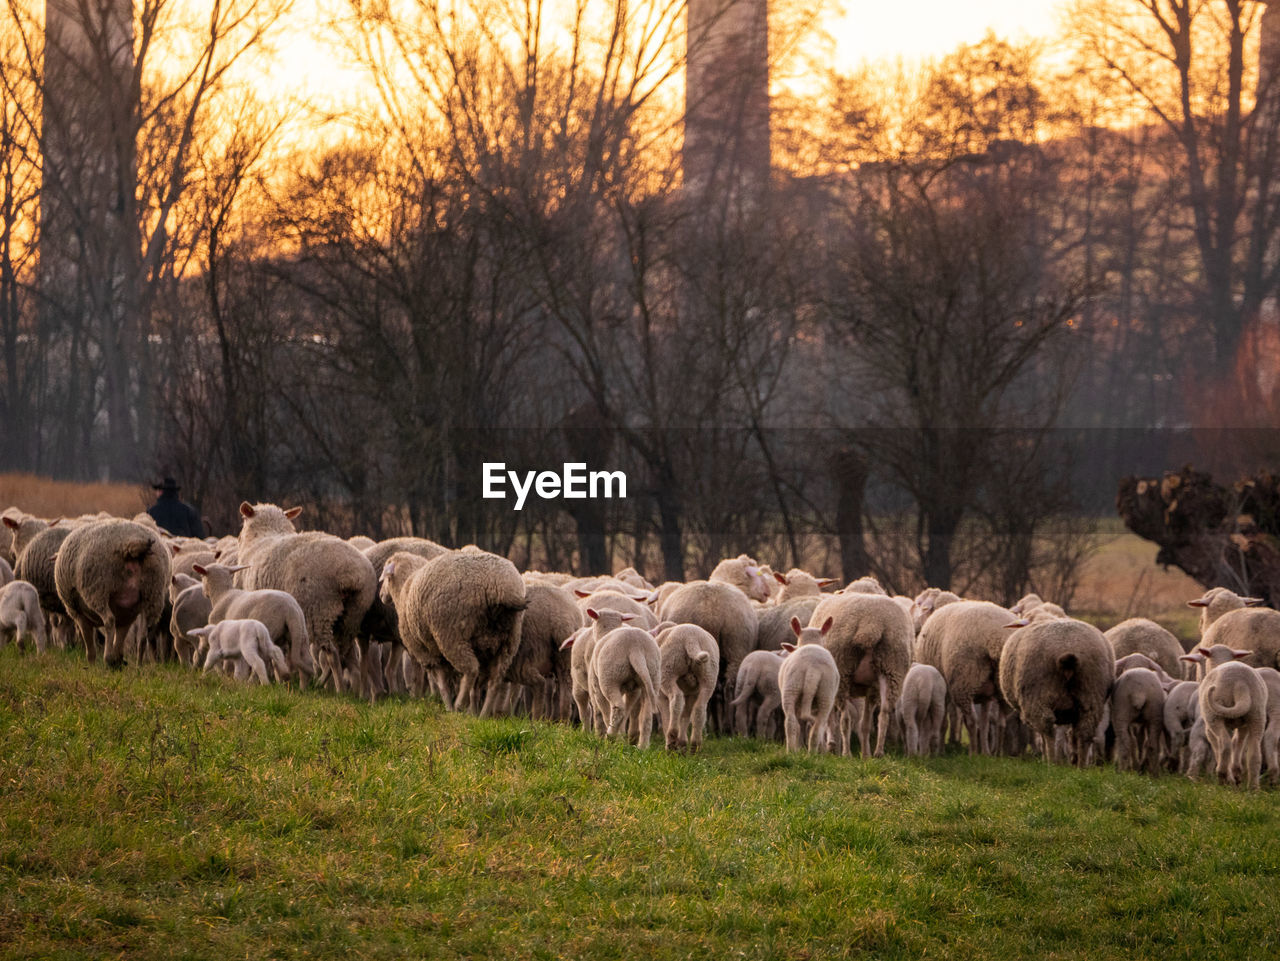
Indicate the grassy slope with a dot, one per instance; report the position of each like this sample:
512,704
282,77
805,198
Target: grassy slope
157,814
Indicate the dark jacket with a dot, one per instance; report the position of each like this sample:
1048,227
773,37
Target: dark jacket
176,517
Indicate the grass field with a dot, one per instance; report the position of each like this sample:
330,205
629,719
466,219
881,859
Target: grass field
50,498
157,814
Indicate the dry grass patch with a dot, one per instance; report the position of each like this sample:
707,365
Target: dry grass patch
45,497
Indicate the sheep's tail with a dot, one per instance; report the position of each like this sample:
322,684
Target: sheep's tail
695,652
1237,708
1068,664
743,696
641,667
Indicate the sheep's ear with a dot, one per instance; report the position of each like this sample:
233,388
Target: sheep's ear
642,596
795,626
237,568
175,548
594,615
826,625
200,569
1253,601
201,631
293,512
246,509
1198,602
826,581
1020,622
788,647
1241,655
780,578
11,523
1204,651
568,642
388,568
581,593
628,617
1195,658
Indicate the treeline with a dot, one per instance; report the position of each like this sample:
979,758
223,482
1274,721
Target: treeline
913,352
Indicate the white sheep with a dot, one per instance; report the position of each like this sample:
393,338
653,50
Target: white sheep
1233,704
626,666
278,610
1138,635
809,680
690,664
797,583
1137,716
20,616
244,639
1217,601
921,709
870,640
757,682
746,575
1181,708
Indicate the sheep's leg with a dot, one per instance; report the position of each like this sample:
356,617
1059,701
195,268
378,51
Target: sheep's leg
910,734
253,660
1220,741
1271,752
886,712
698,720
793,731
1251,752
674,716
766,725
643,715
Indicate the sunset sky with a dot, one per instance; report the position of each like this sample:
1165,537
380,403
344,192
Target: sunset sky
865,30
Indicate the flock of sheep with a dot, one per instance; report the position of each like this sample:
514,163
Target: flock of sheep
739,652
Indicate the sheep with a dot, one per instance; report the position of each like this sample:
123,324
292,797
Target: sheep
465,608
964,640
362,543
689,663
1131,661
1059,671
871,642
20,616
1138,635
726,614
1255,629
1137,716
245,639
921,709
1181,708
757,680
179,583
581,647
658,596
926,602
331,580
35,565
1199,748
1271,731
629,575
378,629
190,610
626,665
618,601
1233,704
22,529
743,573
797,583
186,557
110,574
808,680
551,617
1218,601
773,623
278,610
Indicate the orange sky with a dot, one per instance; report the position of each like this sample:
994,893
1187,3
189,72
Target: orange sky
309,68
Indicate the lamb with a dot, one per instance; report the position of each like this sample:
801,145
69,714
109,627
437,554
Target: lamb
332,581
626,665
278,610
109,574
688,667
964,641
551,617
757,680
581,646
618,601
245,639
1131,661
20,616
1059,671
179,583
1181,708
726,614
797,583
1255,629
1137,716
465,608
1138,635
809,680
1233,704
1218,601
773,623
921,709
190,610
22,529
743,573
871,642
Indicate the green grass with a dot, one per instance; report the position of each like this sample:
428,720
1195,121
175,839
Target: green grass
158,814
